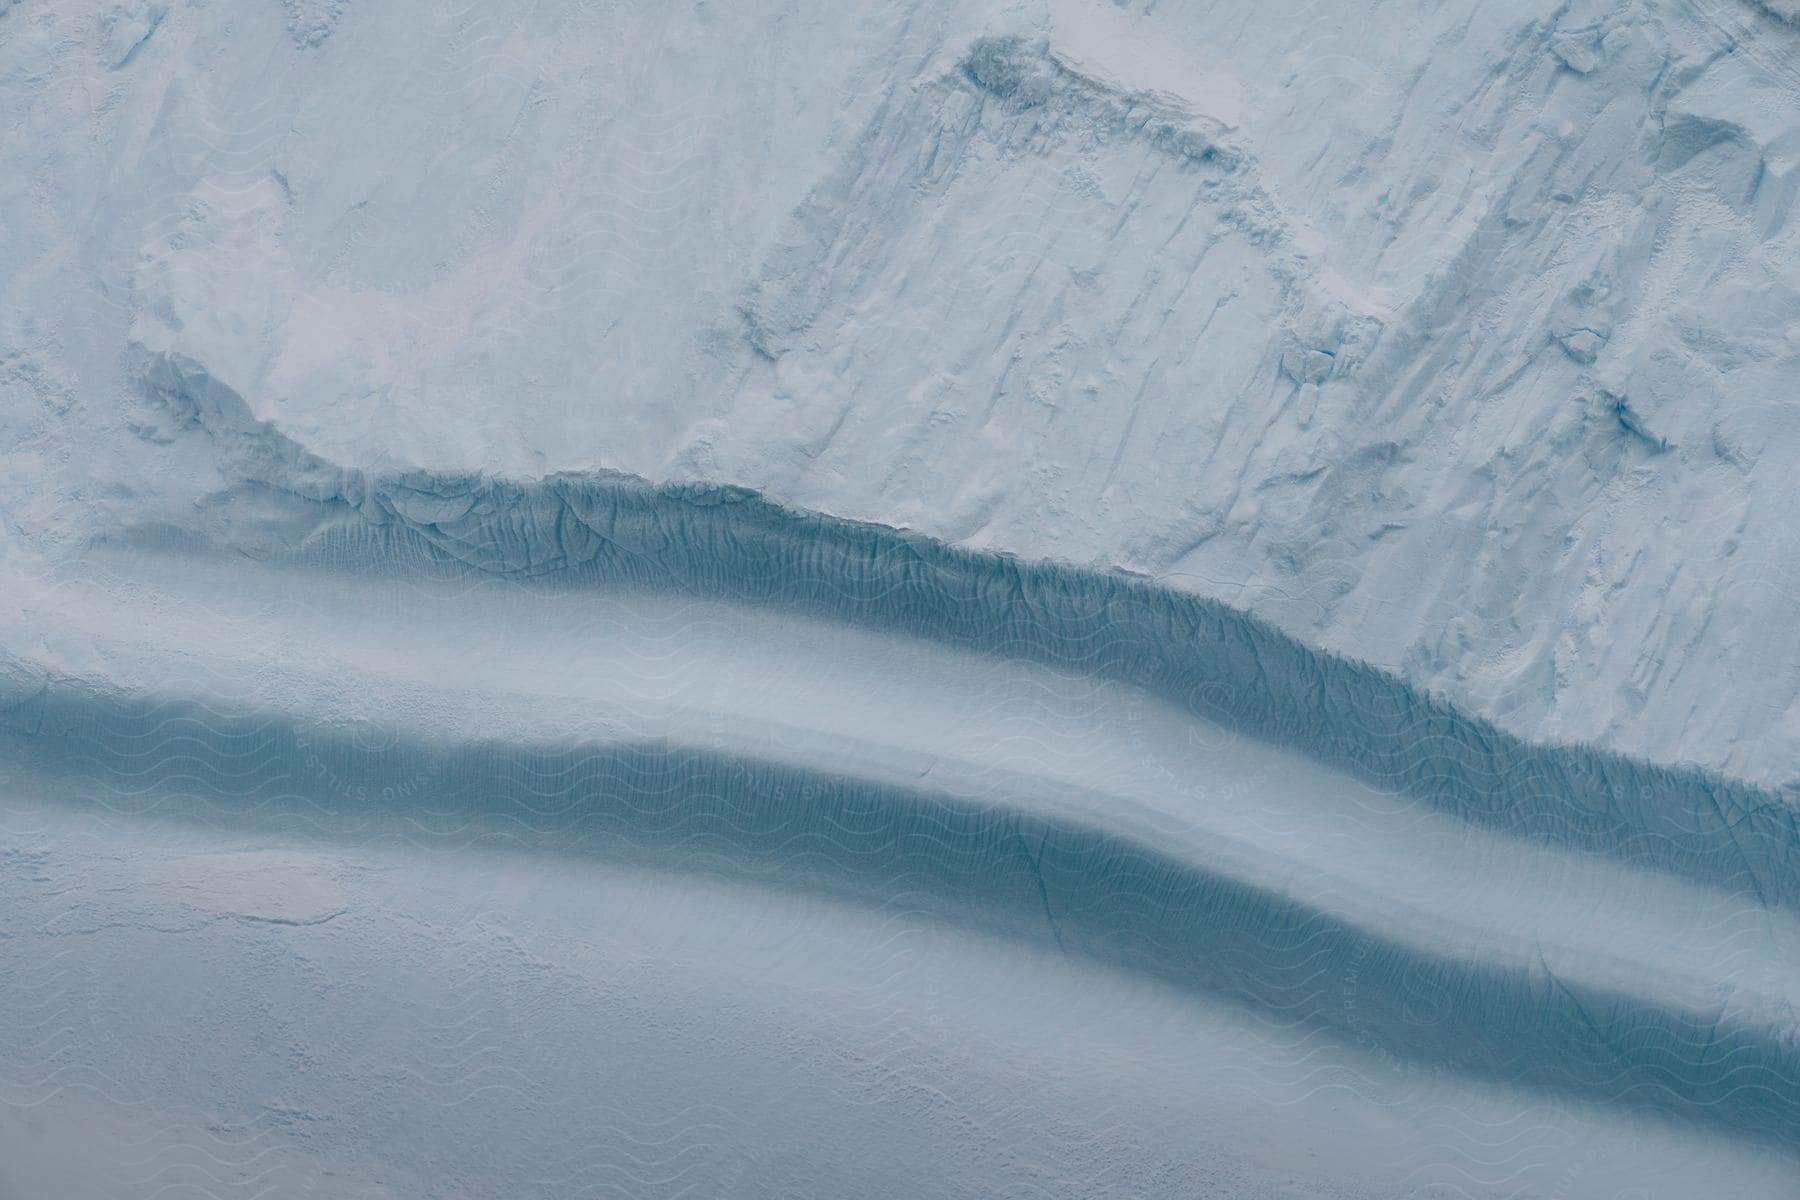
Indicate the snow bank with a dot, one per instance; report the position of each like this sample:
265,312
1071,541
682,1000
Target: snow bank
1222,662
978,862
1458,344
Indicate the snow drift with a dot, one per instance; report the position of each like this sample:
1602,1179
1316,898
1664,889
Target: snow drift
801,558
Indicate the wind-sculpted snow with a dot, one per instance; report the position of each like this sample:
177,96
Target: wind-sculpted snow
1415,913
1223,663
984,857
847,597
1453,342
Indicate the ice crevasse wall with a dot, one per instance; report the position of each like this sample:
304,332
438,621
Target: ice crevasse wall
1458,339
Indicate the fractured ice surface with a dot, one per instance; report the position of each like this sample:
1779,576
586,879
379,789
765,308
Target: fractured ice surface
1456,338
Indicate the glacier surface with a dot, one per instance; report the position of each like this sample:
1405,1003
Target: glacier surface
1054,597
1455,339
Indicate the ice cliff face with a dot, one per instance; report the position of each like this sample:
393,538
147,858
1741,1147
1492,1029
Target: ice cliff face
1455,338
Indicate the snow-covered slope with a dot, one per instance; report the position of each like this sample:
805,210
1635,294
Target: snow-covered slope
455,878
1458,338
861,540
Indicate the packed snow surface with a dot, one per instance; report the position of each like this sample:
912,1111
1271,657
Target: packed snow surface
930,598
1458,338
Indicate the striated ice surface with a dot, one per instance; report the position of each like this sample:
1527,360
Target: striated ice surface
1455,338
936,598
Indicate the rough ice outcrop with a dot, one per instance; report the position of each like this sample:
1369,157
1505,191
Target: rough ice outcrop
311,21
1456,341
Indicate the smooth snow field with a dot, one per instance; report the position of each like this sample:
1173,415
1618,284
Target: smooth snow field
958,598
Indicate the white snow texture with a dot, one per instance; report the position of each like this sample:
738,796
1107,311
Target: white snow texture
971,597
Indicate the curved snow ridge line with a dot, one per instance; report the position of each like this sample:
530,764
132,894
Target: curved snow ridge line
997,867
1224,664
1022,95
1026,76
